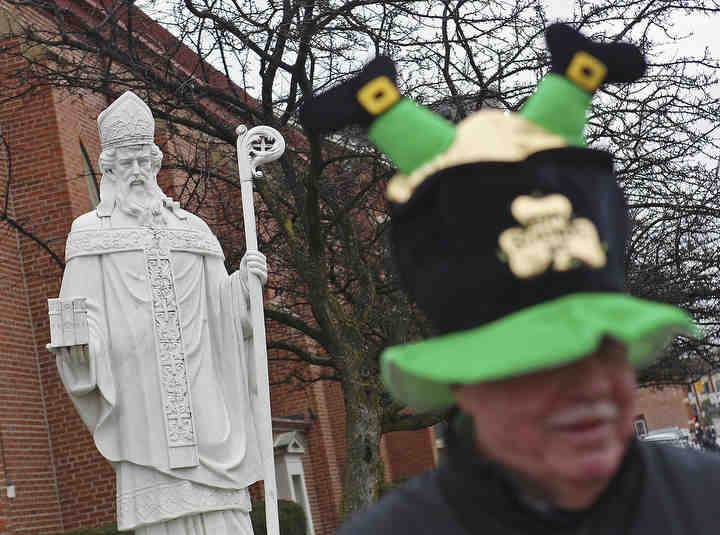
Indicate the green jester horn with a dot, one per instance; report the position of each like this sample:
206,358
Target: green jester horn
579,67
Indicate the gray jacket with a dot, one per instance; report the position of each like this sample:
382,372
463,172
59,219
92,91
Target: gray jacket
658,490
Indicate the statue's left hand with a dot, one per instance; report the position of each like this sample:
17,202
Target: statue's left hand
255,263
76,355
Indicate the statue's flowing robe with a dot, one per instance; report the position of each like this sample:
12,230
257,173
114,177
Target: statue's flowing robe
123,396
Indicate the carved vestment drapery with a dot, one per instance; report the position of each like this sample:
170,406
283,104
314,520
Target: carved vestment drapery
156,245
103,241
170,352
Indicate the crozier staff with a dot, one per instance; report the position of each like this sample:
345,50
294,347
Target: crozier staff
537,340
255,147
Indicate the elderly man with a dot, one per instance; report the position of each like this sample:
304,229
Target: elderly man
164,384
551,453
510,236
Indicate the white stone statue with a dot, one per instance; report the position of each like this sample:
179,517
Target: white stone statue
165,378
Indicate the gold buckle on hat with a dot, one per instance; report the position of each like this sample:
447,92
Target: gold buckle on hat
586,70
378,95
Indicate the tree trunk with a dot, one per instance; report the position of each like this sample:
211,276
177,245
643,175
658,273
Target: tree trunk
363,472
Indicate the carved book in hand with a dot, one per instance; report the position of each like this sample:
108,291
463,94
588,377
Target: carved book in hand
68,321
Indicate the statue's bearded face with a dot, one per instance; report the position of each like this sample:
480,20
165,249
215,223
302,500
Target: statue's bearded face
135,176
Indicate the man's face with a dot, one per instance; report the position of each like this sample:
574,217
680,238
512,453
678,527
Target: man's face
567,425
134,175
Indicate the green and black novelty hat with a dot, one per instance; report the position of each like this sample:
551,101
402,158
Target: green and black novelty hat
507,231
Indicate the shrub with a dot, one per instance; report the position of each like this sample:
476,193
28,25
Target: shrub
292,518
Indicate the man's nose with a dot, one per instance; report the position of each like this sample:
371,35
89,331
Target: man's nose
594,376
135,168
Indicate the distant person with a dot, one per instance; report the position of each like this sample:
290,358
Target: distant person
709,439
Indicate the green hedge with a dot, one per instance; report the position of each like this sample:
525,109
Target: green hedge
292,518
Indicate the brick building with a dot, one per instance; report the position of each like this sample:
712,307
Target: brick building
52,478
657,408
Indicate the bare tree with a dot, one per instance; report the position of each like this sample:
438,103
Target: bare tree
324,222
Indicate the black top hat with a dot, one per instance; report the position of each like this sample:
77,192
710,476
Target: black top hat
516,255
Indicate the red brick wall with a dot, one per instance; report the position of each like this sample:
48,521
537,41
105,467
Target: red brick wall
663,408
85,479
3,498
327,446
409,453
25,273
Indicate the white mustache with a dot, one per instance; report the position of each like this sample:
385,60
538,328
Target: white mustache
582,412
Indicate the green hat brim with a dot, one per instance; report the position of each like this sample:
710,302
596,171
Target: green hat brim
544,336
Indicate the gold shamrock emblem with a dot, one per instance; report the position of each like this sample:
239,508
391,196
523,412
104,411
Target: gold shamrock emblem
549,236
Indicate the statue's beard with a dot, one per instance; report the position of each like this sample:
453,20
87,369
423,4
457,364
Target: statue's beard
143,201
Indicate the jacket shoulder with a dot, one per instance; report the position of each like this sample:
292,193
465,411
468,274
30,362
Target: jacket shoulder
680,491
684,463
416,507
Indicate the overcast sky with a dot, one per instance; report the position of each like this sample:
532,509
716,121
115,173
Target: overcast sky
704,29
